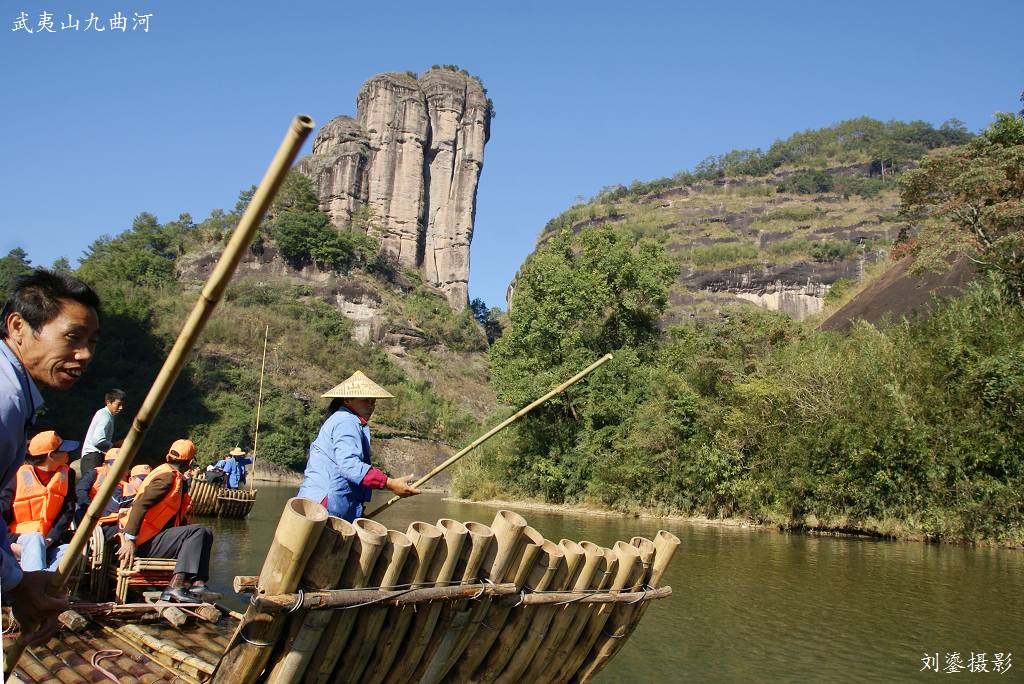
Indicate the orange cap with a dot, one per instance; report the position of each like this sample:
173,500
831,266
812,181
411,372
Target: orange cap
182,450
111,455
141,470
46,443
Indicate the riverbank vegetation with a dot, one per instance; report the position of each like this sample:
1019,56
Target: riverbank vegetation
909,429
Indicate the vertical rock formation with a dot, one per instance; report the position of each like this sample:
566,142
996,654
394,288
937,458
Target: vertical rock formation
459,122
392,111
341,153
413,155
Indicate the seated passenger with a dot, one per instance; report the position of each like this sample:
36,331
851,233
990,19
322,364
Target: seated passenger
122,499
156,525
234,469
91,482
39,502
215,473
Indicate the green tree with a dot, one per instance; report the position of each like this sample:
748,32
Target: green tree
144,255
487,318
970,202
13,265
577,298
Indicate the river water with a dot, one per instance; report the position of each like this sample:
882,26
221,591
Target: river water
752,605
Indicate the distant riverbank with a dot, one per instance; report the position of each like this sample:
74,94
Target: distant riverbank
812,526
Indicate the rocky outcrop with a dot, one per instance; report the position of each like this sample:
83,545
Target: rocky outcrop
413,156
341,155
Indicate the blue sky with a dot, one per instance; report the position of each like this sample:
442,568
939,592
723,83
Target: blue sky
97,127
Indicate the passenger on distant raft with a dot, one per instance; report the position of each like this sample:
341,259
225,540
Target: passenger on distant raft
338,474
156,525
234,468
49,329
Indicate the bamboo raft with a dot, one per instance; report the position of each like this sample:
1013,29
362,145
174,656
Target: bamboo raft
210,500
356,602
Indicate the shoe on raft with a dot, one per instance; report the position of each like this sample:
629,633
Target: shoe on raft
179,594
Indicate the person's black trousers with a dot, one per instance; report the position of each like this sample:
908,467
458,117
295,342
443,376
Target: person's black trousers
189,544
90,461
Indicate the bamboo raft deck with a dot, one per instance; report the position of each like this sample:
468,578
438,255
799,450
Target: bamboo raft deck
210,500
355,602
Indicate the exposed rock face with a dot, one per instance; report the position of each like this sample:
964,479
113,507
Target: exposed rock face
413,155
341,154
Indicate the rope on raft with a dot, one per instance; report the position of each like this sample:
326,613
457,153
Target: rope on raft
407,594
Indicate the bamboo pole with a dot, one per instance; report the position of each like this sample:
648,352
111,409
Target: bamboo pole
615,636
570,619
297,534
580,565
531,569
508,528
307,627
551,571
629,577
426,540
369,543
259,403
298,131
453,617
443,569
390,573
498,428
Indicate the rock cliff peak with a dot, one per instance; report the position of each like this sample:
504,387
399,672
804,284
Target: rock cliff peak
413,155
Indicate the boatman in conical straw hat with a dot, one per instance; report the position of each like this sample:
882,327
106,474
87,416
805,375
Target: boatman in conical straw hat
338,474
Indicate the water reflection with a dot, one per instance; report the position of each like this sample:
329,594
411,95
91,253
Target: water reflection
751,604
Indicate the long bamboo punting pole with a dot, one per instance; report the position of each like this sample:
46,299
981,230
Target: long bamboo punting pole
297,534
298,131
426,540
629,576
549,571
581,564
371,538
498,428
307,627
616,634
478,547
259,403
443,569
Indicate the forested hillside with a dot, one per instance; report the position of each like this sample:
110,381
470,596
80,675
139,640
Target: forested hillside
294,280
910,429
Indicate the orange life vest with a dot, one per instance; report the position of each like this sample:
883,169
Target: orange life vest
173,507
127,489
101,474
36,506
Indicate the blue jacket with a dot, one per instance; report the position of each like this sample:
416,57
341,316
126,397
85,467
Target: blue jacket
339,459
235,470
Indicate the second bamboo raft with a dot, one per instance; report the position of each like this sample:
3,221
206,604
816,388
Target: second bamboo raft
210,500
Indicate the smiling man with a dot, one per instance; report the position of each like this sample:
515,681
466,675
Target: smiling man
48,332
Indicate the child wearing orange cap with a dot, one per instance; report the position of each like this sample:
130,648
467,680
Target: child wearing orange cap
39,502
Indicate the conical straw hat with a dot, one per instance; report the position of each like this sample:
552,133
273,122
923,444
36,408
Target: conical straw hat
358,386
